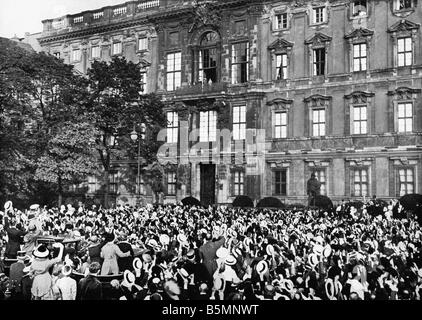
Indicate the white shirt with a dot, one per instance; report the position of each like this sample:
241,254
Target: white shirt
67,287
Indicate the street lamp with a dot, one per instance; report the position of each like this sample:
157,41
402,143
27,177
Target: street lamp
135,137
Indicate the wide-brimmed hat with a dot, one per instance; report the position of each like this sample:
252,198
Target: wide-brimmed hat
270,249
327,251
317,249
287,285
236,252
181,238
313,259
128,279
8,205
41,251
190,254
34,207
137,264
230,260
262,267
222,253
66,270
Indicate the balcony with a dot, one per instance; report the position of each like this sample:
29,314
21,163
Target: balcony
200,89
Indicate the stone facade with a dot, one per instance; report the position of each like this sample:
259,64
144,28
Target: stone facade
345,103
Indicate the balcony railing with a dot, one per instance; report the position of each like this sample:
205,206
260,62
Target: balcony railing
98,15
148,4
202,88
78,19
119,11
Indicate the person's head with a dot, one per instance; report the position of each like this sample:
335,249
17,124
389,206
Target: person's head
172,289
94,268
354,296
313,175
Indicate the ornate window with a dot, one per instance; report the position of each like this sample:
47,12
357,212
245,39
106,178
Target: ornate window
405,175
280,117
174,71
318,112
240,62
405,37
280,51
402,109
357,112
318,52
143,44
321,168
76,55
403,5
209,56
280,182
360,182
321,175
281,21
359,43
319,15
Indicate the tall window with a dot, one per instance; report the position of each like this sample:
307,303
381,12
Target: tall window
280,182
405,117
360,182
239,183
403,4
114,182
76,55
406,181
143,44
95,52
171,183
208,56
281,21
318,15
92,184
117,48
319,61
240,62
172,127
359,57
360,120
239,123
318,122
320,174
280,125
359,8
281,66
404,52
207,126
143,81
174,71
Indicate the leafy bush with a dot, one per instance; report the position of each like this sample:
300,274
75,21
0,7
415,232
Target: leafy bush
270,202
191,201
243,202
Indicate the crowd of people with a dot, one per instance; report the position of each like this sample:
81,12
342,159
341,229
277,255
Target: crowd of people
171,252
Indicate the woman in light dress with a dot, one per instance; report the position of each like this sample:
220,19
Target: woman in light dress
110,252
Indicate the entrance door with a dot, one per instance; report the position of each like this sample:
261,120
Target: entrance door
208,184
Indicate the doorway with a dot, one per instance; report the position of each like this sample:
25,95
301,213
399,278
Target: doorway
207,184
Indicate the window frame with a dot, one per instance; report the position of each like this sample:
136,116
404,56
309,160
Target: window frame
360,182
92,52
406,182
398,2
279,184
283,21
146,44
281,125
405,53
322,64
239,123
173,73
238,183
171,183
354,15
319,123
323,13
211,135
283,67
319,172
173,126
79,55
120,46
360,120
239,65
363,66
406,117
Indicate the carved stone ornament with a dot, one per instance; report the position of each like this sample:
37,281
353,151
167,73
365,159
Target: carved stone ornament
318,39
280,45
204,13
359,96
403,25
318,100
359,34
404,93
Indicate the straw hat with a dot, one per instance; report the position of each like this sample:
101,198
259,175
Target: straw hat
164,239
66,270
262,267
313,259
8,205
230,260
41,251
318,249
327,251
222,253
128,279
270,250
137,264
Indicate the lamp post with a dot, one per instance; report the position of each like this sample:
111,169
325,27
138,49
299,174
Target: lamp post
135,137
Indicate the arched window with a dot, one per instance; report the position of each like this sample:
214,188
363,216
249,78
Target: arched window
209,58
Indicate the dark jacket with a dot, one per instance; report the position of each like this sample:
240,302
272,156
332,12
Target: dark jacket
15,239
207,253
90,288
126,262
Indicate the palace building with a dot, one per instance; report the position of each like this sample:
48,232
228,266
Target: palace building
261,93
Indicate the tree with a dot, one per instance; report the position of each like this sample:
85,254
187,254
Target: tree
117,106
47,134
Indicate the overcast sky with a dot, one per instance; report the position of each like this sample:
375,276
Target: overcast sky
20,16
